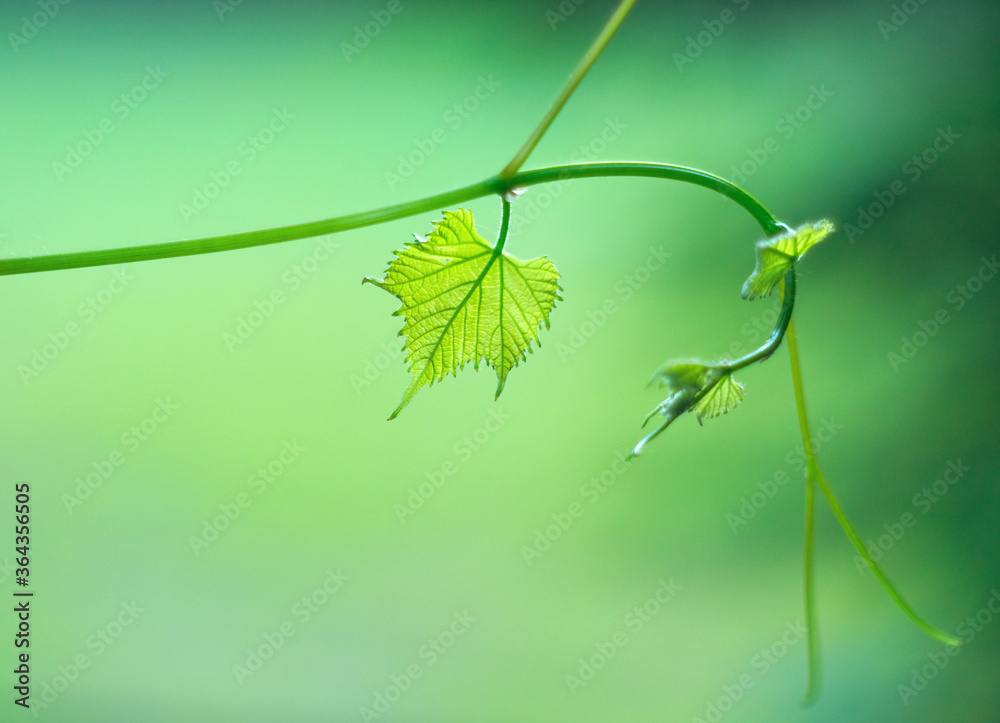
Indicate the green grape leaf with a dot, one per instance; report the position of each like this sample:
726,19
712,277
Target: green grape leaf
464,301
777,254
723,397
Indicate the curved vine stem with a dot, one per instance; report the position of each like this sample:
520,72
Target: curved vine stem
784,320
490,186
503,182
760,354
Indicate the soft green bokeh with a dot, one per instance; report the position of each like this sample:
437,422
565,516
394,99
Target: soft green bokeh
323,369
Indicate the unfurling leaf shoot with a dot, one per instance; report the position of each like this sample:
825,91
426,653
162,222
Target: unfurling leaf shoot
705,388
778,254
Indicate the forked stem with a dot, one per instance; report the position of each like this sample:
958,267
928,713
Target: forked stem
815,477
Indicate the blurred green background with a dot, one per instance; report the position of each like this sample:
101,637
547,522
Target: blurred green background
441,617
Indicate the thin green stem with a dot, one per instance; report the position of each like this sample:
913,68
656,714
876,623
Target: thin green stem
815,474
764,218
809,597
575,77
784,319
812,633
494,185
876,570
